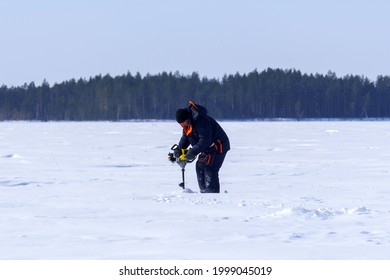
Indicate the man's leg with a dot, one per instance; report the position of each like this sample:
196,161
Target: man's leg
200,172
211,172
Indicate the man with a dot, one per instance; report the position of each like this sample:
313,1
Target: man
208,140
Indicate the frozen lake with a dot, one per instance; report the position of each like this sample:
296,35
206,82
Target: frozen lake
105,190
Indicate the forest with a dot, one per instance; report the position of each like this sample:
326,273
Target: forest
269,94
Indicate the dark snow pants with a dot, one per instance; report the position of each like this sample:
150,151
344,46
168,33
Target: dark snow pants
207,169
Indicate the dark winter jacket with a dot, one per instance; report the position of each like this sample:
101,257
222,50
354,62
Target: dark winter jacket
205,134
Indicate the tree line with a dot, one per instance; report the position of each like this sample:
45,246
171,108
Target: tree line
271,93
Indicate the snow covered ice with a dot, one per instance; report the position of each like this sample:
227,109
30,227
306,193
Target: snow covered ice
105,190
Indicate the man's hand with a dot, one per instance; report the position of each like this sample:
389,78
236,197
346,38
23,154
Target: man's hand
188,157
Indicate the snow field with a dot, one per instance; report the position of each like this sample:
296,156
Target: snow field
105,190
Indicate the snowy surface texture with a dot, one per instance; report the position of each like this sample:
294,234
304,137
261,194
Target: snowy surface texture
105,190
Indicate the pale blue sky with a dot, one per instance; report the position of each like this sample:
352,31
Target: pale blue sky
61,40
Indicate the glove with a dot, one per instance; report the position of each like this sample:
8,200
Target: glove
188,157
